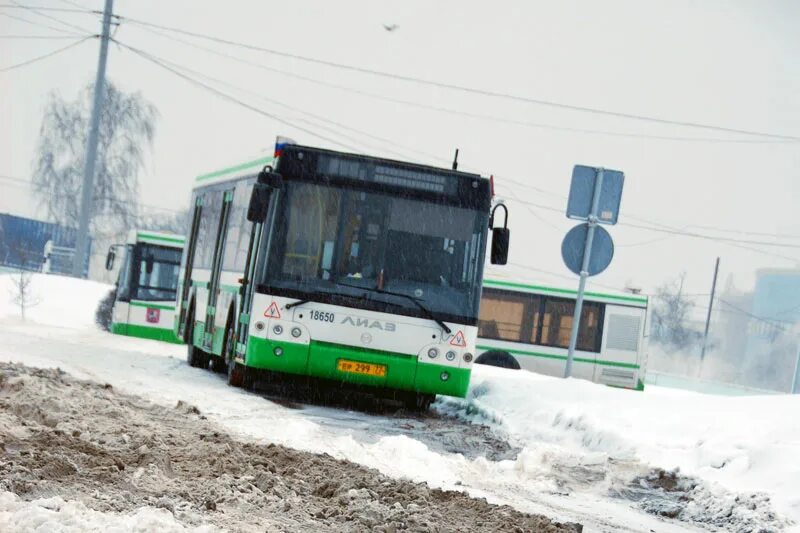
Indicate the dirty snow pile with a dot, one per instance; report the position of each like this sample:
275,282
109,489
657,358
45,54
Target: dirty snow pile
744,445
55,514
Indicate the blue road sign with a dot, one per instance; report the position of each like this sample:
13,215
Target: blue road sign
575,243
581,192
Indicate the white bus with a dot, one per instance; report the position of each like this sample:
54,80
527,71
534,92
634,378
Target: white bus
343,267
525,326
146,285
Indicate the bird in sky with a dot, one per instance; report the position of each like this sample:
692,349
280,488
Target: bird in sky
390,27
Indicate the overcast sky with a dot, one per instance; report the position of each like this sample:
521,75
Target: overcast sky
728,63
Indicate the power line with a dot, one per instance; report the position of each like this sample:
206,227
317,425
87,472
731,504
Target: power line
663,228
75,4
36,37
17,5
236,58
39,11
45,56
41,25
746,232
461,88
338,125
712,237
30,184
675,231
775,323
451,111
230,98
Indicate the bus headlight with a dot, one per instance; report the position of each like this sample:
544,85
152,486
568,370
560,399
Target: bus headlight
296,332
278,351
467,357
433,353
277,329
450,355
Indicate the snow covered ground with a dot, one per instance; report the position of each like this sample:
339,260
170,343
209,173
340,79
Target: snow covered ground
588,453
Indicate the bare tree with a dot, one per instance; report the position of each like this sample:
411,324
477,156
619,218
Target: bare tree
173,222
127,128
671,317
21,291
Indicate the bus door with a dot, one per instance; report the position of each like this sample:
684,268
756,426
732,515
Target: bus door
216,268
188,257
121,309
246,300
248,280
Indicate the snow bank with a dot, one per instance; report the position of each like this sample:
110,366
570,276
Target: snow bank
56,300
745,444
57,515
581,444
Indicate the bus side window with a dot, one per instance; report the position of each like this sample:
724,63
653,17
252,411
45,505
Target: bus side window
557,324
235,254
501,317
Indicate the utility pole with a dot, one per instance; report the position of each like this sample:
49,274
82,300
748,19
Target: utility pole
710,307
82,244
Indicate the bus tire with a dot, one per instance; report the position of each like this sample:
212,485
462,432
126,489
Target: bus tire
419,402
238,374
195,356
220,364
235,373
499,359
188,325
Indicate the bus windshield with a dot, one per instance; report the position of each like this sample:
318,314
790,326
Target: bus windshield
329,238
155,272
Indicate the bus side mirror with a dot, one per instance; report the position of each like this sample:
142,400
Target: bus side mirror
110,258
259,200
500,238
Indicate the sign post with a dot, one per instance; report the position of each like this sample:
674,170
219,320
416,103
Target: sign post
594,196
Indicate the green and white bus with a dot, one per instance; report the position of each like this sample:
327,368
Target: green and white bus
338,266
147,283
526,326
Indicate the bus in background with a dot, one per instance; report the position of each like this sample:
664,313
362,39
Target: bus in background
144,305
528,327
344,267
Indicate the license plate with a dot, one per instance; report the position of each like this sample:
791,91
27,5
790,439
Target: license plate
354,367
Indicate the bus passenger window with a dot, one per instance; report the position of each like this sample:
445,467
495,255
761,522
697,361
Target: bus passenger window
557,324
501,319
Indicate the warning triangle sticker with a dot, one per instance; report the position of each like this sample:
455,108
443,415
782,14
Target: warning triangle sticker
458,339
272,311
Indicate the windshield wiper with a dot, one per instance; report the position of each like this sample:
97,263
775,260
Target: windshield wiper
295,304
400,294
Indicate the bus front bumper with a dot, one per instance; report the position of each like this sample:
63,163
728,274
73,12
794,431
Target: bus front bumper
320,359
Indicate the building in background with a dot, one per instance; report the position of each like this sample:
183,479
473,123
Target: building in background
772,333
24,241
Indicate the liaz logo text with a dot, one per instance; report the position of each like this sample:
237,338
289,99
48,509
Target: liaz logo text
367,323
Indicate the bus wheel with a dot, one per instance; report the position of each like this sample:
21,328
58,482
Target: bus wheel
218,364
196,357
235,373
499,359
419,402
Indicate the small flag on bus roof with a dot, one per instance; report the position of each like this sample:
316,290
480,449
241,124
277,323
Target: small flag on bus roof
280,142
